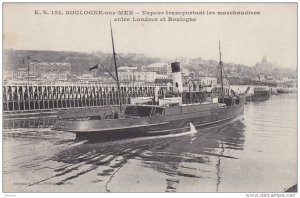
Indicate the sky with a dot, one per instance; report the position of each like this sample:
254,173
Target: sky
244,39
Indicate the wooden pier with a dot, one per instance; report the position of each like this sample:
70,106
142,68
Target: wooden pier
22,96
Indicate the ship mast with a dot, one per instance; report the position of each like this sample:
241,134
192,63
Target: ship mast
116,68
221,69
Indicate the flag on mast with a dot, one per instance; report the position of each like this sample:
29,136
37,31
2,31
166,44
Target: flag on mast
95,67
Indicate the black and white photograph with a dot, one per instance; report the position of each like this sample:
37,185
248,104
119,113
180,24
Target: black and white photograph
150,97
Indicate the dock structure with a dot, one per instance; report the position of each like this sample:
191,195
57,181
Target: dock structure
22,96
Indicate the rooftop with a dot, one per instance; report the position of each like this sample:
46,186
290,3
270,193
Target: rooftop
127,68
158,65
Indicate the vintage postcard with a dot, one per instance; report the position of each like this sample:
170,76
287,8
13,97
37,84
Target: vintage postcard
150,97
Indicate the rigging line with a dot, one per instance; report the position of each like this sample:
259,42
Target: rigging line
99,62
111,62
118,57
107,71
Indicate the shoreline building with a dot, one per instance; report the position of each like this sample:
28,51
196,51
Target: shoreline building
52,71
159,68
135,74
22,74
202,83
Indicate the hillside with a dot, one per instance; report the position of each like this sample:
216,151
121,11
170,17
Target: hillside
81,62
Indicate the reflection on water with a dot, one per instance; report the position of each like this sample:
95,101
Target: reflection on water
237,157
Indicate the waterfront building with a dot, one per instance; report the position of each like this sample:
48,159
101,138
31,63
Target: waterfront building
292,82
162,76
52,70
260,77
159,68
127,69
137,76
22,74
203,83
261,93
208,81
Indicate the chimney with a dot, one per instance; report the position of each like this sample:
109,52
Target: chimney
176,76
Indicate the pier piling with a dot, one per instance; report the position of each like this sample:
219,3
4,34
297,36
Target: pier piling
18,96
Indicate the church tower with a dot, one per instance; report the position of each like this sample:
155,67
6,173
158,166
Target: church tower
264,59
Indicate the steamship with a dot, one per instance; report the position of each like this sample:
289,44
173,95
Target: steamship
174,112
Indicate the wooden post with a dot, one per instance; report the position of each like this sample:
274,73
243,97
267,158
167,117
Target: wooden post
5,98
48,96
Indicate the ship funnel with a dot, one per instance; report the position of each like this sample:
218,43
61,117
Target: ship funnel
176,77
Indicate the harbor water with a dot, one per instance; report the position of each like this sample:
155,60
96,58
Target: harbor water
255,154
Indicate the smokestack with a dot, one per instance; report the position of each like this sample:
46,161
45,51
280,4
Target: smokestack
176,76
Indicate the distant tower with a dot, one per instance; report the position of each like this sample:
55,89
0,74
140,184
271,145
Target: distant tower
264,59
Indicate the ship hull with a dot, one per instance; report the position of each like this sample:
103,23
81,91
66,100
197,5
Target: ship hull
147,131
174,120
